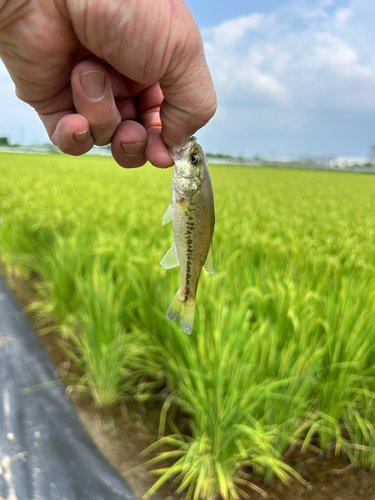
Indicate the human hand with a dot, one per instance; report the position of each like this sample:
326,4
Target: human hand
127,72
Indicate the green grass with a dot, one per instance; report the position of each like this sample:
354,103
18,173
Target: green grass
283,345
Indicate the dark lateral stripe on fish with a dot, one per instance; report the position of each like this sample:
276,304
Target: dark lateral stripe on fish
193,217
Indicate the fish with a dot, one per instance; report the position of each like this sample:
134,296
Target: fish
193,217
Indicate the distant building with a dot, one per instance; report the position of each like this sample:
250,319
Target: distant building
348,161
321,161
280,159
371,154
335,161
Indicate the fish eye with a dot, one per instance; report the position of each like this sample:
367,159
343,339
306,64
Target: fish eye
194,159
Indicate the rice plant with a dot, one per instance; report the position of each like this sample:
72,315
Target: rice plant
283,344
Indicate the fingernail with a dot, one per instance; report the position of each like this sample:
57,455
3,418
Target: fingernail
93,83
80,136
132,148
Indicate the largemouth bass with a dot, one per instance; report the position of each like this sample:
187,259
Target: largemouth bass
192,214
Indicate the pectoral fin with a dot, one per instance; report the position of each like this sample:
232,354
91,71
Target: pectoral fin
209,264
168,215
170,259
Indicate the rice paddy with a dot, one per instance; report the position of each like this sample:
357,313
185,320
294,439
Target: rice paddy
283,346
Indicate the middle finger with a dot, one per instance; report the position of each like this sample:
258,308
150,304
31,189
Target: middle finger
93,98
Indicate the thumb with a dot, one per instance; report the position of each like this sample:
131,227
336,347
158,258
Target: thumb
189,95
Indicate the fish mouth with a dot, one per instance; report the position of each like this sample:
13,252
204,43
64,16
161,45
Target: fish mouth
177,152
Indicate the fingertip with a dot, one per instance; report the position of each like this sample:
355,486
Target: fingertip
129,144
178,124
156,151
72,135
81,136
133,148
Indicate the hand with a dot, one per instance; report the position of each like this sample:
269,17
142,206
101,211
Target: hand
127,72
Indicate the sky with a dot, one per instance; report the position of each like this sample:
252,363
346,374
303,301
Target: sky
293,78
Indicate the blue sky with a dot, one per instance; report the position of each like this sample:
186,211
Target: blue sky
292,78
208,13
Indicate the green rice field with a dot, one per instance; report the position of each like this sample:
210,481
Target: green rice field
283,346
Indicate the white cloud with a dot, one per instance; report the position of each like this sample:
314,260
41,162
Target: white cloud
305,57
334,51
230,32
280,59
261,82
343,15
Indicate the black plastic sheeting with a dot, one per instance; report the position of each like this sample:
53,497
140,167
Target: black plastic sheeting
45,453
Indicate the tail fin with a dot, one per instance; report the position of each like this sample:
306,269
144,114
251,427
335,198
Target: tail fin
184,310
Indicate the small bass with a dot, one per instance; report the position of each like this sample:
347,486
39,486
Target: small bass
192,214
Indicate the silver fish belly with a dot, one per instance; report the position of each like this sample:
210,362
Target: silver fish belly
193,217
